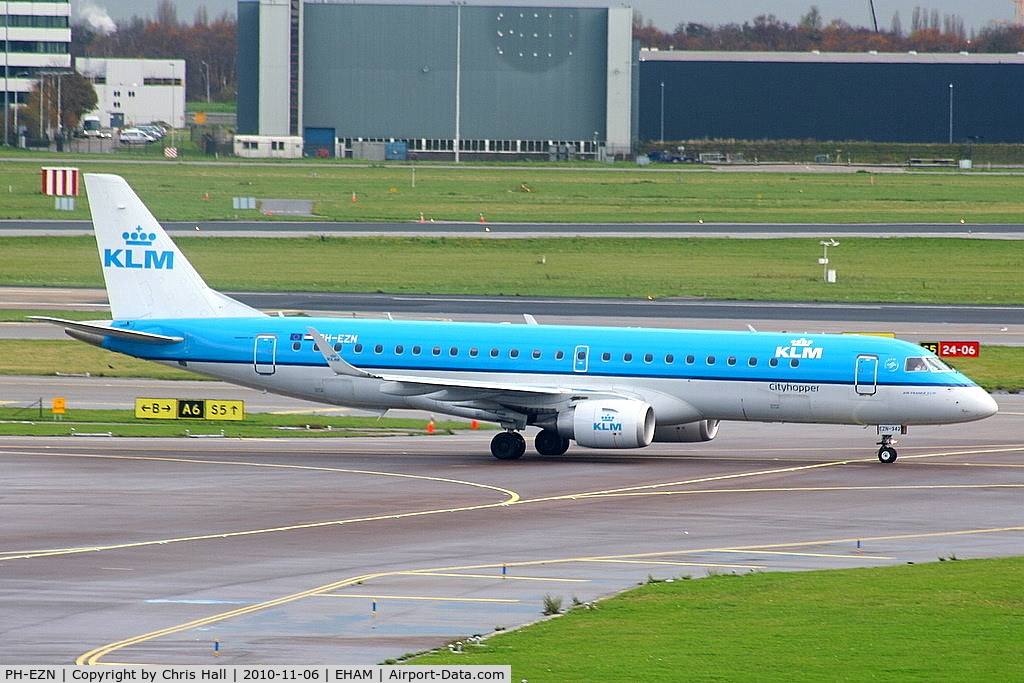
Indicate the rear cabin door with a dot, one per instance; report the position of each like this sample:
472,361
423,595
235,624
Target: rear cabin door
265,354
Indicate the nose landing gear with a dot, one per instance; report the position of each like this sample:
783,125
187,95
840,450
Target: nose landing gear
887,454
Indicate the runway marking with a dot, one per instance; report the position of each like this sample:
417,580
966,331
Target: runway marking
831,556
93,656
489,576
683,564
512,497
416,597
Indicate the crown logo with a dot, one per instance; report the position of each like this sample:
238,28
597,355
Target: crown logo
137,238
801,342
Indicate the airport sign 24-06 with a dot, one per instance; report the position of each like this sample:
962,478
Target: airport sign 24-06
189,409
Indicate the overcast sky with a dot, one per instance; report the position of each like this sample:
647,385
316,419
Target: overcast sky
665,14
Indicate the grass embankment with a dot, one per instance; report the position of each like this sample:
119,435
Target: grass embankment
618,194
939,621
38,420
908,270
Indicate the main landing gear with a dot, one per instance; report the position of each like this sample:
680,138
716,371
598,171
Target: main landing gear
510,445
887,454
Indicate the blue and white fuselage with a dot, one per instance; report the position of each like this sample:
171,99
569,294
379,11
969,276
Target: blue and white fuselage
599,386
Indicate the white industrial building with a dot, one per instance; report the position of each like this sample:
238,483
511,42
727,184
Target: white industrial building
36,41
136,91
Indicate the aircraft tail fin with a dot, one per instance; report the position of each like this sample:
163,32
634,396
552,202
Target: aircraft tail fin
145,273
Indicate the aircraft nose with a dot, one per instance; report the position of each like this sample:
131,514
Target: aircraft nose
978,404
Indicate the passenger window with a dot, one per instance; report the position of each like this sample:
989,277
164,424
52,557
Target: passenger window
627,357
536,354
337,347
669,359
474,352
436,351
559,355
690,360
416,350
494,353
752,362
774,362
606,356
794,362
358,348
514,353
711,360
296,346
731,360
379,348
648,357
454,351
399,350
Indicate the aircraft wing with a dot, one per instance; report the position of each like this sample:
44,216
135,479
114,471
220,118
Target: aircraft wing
103,328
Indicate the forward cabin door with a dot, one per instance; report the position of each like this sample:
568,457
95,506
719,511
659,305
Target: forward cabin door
865,381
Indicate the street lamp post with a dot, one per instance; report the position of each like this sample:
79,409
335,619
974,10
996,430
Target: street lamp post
951,113
458,77
206,66
661,138
173,121
7,70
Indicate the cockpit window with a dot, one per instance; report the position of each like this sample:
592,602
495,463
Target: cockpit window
936,365
926,364
915,365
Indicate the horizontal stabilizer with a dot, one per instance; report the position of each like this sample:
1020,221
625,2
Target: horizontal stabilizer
103,328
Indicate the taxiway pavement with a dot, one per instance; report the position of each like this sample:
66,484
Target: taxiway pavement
357,550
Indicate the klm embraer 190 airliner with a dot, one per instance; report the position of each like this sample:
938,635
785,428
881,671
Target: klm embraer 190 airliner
602,387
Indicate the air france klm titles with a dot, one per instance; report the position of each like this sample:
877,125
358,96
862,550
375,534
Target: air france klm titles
149,259
798,348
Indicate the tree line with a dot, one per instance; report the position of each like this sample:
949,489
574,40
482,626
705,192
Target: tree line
209,47
928,32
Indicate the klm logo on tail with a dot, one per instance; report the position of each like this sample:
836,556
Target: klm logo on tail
138,258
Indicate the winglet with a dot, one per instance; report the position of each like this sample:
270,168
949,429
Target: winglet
336,362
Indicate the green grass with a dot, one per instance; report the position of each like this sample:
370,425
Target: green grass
39,421
621,193
939,621
874,270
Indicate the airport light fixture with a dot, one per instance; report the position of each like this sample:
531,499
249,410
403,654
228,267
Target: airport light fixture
825,244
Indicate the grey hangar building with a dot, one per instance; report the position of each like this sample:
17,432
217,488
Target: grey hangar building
453,82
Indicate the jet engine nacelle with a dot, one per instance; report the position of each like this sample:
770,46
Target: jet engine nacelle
621,423
702,430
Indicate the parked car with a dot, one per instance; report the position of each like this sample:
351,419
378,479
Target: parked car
153,130
134,136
